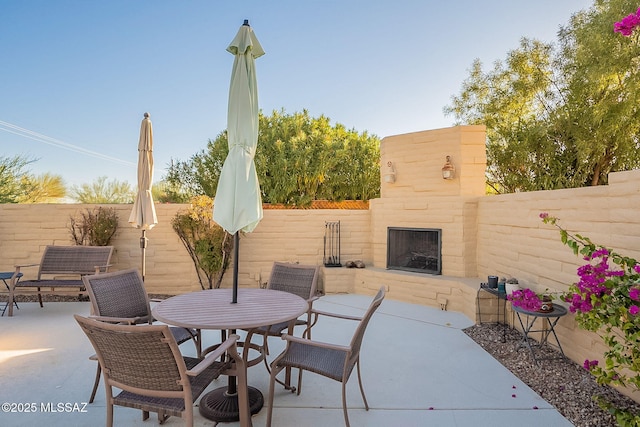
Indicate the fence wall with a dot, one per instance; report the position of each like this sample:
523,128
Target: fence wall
283,235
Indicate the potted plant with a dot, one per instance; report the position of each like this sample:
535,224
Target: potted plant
501,285
546,303
511,285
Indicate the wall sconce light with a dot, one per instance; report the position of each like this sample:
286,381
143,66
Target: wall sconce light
390,173
448,170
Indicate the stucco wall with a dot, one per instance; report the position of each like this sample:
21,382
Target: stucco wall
513,241
283,235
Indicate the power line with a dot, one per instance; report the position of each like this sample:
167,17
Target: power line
26,133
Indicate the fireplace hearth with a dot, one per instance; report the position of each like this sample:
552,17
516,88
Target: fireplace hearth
414,249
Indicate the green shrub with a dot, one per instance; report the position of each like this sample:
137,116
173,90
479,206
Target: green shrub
94,227
208,245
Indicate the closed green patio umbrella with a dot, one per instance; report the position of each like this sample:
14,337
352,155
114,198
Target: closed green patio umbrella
238,204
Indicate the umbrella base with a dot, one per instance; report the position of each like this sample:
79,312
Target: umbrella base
218,405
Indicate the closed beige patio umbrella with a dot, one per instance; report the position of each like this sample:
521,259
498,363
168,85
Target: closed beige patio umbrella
143,214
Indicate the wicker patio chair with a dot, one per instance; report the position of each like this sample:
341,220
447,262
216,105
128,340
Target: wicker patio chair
145,363
120,297
301,280
329,360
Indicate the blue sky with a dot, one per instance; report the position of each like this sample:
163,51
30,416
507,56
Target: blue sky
81,73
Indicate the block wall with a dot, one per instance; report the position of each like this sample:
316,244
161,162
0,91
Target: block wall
514,242
283,235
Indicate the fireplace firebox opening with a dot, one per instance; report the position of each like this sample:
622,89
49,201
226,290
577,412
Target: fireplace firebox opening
414,249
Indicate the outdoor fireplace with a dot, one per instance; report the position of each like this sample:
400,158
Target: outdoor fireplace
414,249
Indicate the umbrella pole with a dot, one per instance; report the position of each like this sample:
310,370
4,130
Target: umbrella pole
236,251
232,389
143,247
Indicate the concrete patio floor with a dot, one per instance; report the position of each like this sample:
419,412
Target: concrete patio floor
418,367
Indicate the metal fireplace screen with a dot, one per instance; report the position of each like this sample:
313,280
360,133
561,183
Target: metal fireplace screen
414,249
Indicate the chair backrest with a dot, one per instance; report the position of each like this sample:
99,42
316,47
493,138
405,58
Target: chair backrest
138,359
118,294
356,340
74,259
301,280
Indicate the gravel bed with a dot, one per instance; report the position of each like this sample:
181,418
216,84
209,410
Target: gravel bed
563,383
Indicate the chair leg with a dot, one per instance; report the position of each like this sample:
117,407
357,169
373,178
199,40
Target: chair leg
40,298
95,383
265,344
195,338
162,417
299,381
265,352
284,383
243,398
364,398
344,403
198,347
272,386
110,414
109,397
188,419
287,383
11,299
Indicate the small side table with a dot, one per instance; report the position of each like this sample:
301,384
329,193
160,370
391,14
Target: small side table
551,319
4,276
501,301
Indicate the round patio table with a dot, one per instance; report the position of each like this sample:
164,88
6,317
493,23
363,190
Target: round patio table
213,309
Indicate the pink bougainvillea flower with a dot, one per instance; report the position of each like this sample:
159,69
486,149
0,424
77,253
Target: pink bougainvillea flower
546,218
607,294
525,298
600,252
627,24
619,27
